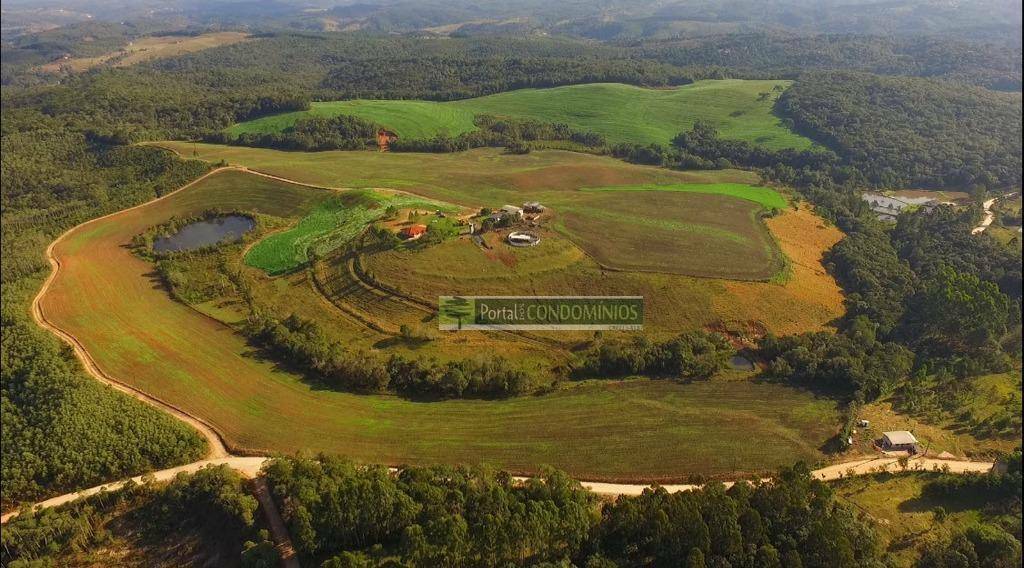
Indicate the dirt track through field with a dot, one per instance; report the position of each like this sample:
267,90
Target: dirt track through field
219,453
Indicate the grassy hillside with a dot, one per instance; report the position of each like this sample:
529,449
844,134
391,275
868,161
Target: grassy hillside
765,196
905,518
622,113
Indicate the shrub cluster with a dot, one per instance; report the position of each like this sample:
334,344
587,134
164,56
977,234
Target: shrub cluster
302,343
852,363
694,355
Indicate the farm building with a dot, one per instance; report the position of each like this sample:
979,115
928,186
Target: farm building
512,211
899,440
384,139
412,231
885,208
888,208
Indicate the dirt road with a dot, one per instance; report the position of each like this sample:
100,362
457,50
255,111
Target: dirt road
989,217
248,467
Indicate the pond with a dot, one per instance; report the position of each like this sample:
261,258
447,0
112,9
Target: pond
205,233
741,363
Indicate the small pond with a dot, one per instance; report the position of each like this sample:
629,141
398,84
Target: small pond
740,363
205,233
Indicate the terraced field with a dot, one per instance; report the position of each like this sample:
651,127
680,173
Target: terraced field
740,109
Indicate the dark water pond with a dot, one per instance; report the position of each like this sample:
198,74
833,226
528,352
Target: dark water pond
204,233
741,363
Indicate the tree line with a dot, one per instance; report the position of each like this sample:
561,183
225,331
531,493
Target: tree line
343,515
345,132
692,355
302,343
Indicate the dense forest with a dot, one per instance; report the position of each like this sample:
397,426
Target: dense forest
348,515
900,132
209,518
340,514
343,515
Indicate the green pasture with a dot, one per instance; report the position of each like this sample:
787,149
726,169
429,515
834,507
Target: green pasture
904,518
765,196
330,225
622,113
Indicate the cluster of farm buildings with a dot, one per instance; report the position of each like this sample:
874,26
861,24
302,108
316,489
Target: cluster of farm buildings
507,216
887,208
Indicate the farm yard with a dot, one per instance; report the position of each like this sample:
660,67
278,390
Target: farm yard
621,113
111,300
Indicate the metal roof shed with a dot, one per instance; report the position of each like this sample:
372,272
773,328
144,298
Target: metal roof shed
899,438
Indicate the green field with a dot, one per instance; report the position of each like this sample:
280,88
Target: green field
330,225
622,113
642,429
765,196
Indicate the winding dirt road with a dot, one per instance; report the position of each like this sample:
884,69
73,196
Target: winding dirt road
250,466
989,217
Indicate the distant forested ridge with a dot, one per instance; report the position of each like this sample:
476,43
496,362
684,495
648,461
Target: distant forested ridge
995,66
904,132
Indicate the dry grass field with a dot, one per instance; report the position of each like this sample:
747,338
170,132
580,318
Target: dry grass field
145,49
650,430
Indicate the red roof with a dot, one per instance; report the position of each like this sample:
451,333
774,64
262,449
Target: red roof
413,230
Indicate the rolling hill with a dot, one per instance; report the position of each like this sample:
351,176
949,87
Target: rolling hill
740,109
